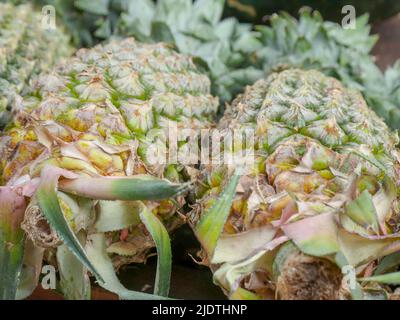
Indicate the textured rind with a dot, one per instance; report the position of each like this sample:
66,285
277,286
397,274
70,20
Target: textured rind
96,115
317,148
26,49
312,43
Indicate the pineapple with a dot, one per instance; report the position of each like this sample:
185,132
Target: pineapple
78,151
26,49
316,214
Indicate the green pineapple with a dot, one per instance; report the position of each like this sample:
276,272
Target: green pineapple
79,151
26,49
319,198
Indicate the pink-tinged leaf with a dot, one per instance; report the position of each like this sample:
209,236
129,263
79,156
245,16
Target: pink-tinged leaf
236,247
12,209
287,213
359,250
316,235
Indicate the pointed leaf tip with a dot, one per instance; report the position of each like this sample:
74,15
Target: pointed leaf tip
125,188
47,200
211,224
163,245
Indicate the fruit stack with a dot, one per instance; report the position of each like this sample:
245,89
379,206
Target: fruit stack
105,152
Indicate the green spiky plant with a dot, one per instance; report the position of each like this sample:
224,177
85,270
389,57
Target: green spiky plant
26,49
318,199
235,54
81,186
255,10
312,43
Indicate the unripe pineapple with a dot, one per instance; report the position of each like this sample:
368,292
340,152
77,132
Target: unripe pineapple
26,49
85,130
320,198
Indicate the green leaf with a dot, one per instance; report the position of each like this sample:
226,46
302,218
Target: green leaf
163,245
243,294
236,247
140,187
388,263
93,6
360,250
371,159
160,32
96,251
211,224
74,280
283,253
389,278
12,211
348,270
229,275
104,30
316,235
209,10
31,270
46,195
117,215
363,212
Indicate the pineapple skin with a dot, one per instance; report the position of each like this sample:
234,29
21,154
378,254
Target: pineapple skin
96,115
317,147
26,49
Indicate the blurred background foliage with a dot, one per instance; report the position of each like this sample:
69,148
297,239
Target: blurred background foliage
256,11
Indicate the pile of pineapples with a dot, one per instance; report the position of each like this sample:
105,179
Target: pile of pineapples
85,187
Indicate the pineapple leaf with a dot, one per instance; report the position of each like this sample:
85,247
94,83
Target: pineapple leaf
389,278
283,252
354,287
388,263
235,247
212,222
363,212
358,249
11,241
99,7
74,280
46,195
140,187
163,245
316,235
160,32
117,215
96,251
31,269
243,294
